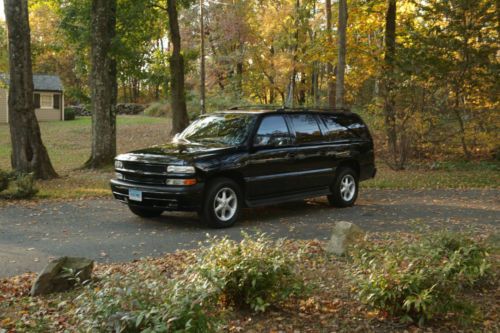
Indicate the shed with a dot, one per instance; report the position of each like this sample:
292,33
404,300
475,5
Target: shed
48,97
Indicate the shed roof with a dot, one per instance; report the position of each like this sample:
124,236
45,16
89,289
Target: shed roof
41,82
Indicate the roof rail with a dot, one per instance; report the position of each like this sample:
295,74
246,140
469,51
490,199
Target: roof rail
286,108
255,107
324,109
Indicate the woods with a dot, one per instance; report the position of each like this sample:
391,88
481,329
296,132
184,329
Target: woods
424,72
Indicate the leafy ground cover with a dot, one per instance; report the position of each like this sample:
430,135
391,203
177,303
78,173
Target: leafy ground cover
68,144
330,301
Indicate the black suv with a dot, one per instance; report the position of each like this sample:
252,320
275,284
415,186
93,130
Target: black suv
228,160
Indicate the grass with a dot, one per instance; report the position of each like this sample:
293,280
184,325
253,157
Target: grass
457,175
68,144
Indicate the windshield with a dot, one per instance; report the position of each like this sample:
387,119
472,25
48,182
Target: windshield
226,129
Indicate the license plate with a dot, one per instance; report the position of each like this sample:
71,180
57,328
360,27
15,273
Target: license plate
135,195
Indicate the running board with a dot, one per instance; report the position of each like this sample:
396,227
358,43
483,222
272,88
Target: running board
287,198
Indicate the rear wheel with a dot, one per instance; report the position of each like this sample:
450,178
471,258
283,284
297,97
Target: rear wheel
145,212
344,188
222,203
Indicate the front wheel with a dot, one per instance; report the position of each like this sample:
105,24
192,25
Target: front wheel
222,203
344,188
145,212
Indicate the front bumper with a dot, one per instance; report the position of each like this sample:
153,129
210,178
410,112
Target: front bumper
185,198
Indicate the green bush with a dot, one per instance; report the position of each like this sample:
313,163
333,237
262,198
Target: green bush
255,272
424,279
145,301
69,114
4,180
158,109
23,185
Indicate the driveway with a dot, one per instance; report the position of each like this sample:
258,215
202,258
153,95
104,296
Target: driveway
106,231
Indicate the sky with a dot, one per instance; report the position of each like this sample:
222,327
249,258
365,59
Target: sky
2,15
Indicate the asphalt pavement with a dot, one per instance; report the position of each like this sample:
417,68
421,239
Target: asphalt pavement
105,230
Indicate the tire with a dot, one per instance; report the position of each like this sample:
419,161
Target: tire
222,203
345,188
145,212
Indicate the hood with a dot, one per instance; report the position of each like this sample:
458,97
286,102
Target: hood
176,153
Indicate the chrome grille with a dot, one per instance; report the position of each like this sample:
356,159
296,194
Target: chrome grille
144,168
144,179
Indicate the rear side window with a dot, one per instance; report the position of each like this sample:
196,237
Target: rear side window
343,127
355,126
334,130
306,128
272,131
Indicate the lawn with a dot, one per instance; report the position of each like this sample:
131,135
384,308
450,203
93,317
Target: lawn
68,144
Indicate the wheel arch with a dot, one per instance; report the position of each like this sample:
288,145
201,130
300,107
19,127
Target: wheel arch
234,175
353,164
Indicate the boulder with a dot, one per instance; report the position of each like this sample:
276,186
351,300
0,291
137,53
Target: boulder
129,108
344,235
62,274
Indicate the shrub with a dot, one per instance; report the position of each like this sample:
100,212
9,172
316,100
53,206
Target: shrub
24,187
253,273
69,114
257,271
421,280
158,109
4,180
145,301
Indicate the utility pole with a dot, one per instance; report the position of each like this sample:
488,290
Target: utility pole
202,59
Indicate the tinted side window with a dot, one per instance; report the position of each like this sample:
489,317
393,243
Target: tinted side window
272,131
306,128
356,127
333,129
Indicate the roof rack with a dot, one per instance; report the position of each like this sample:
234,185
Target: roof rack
286,108
255,107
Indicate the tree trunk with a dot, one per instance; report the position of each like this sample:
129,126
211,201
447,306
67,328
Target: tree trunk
342,30
202,57
329,66
389,103
239,79
103,84
28,152
180,118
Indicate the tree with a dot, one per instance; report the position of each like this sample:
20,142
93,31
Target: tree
329,66
28,152
180,118
103,84
389,73
342,30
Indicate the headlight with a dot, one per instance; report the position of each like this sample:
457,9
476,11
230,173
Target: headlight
180,182
180,169
118,165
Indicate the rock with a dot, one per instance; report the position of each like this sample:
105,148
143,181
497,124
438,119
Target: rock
56,278
129,108
344,234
